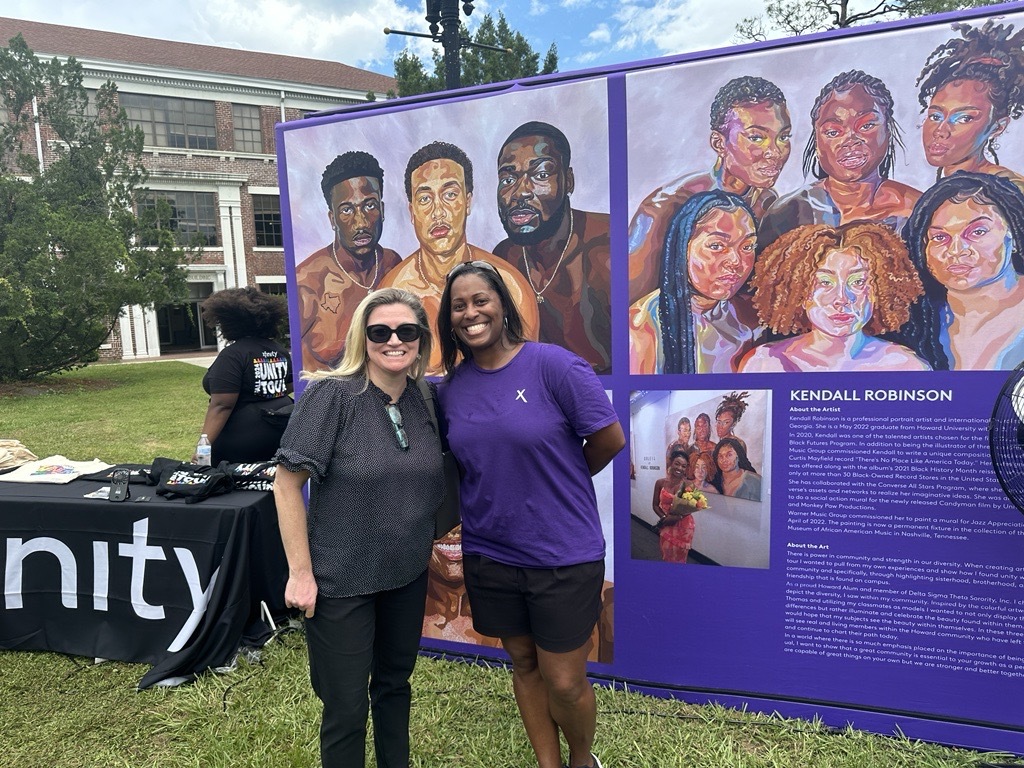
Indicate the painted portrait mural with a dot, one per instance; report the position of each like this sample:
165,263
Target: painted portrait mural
519,180
824,212
700,485
850,203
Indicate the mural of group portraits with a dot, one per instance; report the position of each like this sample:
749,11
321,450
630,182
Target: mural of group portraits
399,199
699,489
886,248
501,180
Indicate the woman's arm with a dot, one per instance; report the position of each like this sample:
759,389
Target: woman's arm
601,447
656,501
301,590
217,413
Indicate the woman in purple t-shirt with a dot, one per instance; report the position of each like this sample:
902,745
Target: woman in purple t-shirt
530,424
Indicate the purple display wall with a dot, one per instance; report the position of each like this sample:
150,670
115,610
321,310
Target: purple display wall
794,278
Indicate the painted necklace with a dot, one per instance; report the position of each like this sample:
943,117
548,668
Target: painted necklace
526,265
432,287
376,268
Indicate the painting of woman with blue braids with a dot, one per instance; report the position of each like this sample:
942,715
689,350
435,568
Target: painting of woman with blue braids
970,89
966,239
851,152
698,321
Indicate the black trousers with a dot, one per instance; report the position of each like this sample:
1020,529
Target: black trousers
359,645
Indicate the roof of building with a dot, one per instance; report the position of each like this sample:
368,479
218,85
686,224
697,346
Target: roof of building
58,40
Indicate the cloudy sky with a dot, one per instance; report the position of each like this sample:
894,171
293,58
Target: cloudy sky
588,33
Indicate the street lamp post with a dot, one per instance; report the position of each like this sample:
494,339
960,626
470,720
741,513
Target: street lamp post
451,41
443,17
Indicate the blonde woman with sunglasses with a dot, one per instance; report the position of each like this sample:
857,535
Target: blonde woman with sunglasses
362,436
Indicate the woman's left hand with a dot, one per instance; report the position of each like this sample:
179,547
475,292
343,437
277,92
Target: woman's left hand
301,592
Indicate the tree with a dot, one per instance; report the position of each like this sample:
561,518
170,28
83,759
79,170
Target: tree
800,17
71,253
479,65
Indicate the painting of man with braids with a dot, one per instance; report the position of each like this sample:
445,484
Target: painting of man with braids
838,289
970,89
750,136
562,251
334,279
851,152
966,239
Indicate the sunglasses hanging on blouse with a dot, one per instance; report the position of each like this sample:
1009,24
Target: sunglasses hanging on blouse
396,421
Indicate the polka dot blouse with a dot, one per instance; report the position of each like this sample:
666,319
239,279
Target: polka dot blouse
372,504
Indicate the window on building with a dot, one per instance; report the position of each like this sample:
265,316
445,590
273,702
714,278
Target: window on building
167,122
248,137
266,210
90,104
280,290
192,216
275,289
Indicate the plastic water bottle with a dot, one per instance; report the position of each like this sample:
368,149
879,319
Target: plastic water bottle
203,451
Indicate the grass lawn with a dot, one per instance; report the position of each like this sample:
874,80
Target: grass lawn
117,413
64,712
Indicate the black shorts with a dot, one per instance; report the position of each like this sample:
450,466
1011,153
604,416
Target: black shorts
557,607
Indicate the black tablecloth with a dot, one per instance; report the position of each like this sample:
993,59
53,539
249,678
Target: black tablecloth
162,582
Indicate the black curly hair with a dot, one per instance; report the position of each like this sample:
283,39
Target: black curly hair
742,90
245,312
438,150
735,403
348,166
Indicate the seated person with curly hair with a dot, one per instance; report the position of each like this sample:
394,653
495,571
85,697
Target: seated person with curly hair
838,288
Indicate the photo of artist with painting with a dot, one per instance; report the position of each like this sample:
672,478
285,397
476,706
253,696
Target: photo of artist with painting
705,502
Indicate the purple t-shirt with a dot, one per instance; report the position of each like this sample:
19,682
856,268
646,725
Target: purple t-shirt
527,497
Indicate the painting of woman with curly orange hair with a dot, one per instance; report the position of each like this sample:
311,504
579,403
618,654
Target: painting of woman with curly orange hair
839,288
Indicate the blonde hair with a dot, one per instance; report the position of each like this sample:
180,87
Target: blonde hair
353,362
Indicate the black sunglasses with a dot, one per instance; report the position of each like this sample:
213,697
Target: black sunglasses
459,268
396,422
381,334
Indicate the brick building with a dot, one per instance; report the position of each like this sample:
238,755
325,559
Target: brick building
208,114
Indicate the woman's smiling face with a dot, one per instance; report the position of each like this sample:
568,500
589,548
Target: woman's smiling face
677,468
391,357
477,315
